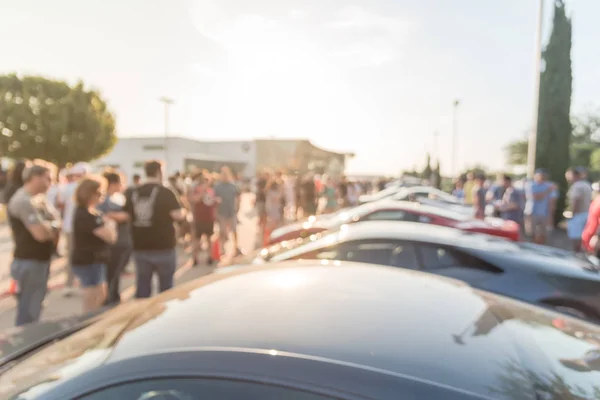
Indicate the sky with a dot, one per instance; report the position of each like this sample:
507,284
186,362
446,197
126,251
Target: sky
376,78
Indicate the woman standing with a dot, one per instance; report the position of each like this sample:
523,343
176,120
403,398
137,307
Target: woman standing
330,195
92,236
274,204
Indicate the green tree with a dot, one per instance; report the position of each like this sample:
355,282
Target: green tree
554,124
516,152
437,176
426,174
48,119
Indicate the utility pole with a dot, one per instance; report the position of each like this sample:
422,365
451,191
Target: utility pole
454,134
531,149
167,103
435,154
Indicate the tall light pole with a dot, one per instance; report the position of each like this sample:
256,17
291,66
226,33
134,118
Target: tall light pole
167,103
531,149
455,105
436,134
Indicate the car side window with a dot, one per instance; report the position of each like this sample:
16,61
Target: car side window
391,215
436,257
327,253
381,252
199,389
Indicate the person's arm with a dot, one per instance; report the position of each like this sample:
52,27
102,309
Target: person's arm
105,230
591,226
176,212
513,202
41,230
119,217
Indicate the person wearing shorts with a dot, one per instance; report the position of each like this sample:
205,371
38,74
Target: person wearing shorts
580,198
92,236
537,207
203,203
227,195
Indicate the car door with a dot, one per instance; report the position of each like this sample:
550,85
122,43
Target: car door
454,263
381,252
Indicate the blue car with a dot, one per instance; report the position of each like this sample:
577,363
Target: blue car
541,275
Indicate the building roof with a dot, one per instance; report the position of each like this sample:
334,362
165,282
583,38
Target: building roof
211,157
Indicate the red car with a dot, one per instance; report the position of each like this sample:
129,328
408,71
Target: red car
389,210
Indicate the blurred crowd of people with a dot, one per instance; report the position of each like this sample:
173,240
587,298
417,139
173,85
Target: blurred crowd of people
282,197
99,222
532,204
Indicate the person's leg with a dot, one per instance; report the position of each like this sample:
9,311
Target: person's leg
69,267
143,274
223,233
32,280
236,248
166,264
112,274
90,277
540,229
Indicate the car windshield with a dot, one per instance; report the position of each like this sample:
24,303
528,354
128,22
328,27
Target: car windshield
348,215
387,192
449,214
301,246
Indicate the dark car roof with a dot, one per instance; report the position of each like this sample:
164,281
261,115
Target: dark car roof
382,319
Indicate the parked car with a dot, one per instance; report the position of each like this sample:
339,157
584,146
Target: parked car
389,210
307,331
536,274
411,193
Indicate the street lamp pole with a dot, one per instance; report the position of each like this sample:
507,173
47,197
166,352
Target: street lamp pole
454,133
167,103
531,149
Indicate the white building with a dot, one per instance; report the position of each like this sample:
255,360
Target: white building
130,153
243,156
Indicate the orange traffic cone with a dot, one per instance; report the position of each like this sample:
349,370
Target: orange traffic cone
13,288
266,235
215,250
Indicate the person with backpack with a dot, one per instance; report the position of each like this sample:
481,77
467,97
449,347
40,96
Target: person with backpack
153,210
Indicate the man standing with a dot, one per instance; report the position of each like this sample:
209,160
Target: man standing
479,200
203,204
538,194
35,228
153,209
228,196
580,198
113,208
67,198
468,186
509,205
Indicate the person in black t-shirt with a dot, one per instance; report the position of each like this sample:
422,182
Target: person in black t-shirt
35,230
92,236
153,209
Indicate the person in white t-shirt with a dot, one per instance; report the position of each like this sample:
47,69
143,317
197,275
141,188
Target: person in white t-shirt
73,176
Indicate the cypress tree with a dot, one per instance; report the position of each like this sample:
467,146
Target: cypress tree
554,123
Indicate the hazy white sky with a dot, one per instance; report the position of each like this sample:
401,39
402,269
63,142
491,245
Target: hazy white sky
375,77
